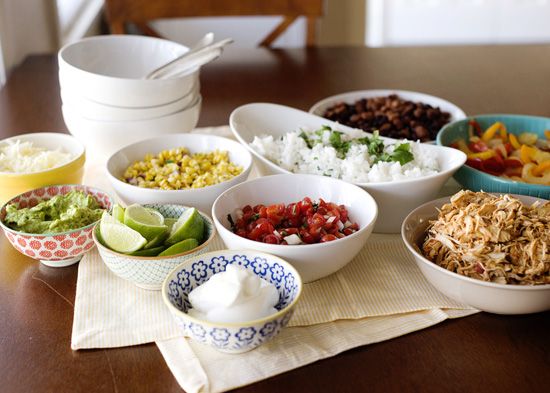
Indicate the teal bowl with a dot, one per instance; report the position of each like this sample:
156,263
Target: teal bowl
477,180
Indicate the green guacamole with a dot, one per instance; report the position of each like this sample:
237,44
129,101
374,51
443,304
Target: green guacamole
59,214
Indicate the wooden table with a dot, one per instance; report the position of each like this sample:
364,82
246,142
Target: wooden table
483,353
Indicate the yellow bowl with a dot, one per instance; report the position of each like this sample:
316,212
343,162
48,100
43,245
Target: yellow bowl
12,184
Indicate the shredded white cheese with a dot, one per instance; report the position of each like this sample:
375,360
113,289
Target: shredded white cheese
23,157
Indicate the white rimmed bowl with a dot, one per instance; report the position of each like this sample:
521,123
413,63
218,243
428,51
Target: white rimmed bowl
320,107
201,198
232,337
109,70
395,199
103,138
150,272
485,296
95,111
12,184
313,261
56,249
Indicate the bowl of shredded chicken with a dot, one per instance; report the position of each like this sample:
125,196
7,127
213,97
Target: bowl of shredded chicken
488,251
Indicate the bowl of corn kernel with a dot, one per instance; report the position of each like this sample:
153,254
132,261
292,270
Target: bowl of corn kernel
188,169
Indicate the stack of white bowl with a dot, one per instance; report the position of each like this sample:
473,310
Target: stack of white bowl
106,102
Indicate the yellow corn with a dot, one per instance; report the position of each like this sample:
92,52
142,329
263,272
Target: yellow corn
177,169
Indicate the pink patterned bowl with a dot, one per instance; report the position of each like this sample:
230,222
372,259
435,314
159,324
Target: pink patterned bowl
59,249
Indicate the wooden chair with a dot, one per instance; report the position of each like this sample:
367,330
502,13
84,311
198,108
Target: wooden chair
121,13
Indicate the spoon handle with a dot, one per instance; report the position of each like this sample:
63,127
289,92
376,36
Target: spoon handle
187,56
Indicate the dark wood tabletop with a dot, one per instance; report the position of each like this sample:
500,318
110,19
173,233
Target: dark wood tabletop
480,353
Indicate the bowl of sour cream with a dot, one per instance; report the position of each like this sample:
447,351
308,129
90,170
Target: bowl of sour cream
232,300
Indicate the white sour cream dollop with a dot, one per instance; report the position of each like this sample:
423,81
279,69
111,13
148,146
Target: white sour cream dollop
236,295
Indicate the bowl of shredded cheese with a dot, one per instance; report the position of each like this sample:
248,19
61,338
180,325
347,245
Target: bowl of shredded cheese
30,161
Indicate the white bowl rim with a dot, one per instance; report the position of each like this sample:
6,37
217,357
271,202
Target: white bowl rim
194,90
418,256
66,47
344,128
73,110
233,324
375,92
165,257
68,137
6,228
237,145
311,247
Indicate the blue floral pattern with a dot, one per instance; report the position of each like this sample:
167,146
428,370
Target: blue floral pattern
218,264
199,270
260,266
240,260
238,338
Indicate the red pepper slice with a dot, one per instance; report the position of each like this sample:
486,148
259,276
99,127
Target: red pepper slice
493,166
475,163
477,127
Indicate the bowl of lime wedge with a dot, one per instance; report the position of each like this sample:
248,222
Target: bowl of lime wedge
143,243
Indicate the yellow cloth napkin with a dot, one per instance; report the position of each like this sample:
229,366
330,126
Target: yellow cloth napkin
381,294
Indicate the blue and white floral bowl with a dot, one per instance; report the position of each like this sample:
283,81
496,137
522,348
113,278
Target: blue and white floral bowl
150,272
232,337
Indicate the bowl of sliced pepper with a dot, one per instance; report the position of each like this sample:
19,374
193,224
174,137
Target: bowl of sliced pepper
506,153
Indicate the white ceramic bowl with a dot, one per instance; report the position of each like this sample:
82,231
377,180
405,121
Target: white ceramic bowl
485,296
319,108
232,337
313,261
201,198
109,70
395,199
95,111
150,272
103,138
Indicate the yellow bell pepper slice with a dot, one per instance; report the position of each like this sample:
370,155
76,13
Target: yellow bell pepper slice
491,131
527,153
541,168
514,141
547,134
484,155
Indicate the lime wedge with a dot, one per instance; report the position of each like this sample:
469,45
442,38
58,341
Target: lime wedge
178,248
169,222
118,213
143,221
121,238
190,225
151,252
106,218
158,240
156,214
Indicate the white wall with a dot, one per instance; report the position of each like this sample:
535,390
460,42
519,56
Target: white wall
443,22
26,26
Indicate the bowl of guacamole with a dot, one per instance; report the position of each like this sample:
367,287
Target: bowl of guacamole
54,224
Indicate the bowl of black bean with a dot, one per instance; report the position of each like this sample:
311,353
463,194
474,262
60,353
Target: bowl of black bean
396,114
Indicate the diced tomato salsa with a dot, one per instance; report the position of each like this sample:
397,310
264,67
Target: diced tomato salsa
305,221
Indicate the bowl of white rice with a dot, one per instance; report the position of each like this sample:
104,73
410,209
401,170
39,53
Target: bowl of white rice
400,175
